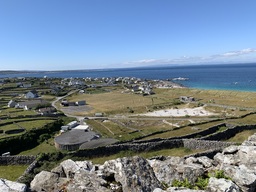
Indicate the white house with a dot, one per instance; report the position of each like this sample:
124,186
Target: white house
11,104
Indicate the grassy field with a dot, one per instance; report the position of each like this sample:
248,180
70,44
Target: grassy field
12,172
242,136
118,101
27,124
45,147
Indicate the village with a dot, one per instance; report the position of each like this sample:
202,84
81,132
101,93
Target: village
95,118
102,111
46,98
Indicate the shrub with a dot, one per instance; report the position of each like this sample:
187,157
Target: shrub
219,174
184,183
202,183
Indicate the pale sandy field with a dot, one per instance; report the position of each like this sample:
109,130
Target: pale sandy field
198,111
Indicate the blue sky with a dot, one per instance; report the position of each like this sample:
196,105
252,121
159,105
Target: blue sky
90,34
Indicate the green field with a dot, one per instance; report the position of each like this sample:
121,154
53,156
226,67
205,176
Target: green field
12,172
45,147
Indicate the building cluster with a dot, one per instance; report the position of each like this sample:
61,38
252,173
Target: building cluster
73,135
67,103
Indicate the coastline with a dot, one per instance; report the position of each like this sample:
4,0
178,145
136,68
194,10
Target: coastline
239,77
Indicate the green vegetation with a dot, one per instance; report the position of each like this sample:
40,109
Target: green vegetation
29,139
45,146
201,182
242,136
12,172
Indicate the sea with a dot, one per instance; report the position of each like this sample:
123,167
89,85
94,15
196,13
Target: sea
238,77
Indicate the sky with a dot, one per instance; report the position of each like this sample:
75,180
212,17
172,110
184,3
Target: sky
95,34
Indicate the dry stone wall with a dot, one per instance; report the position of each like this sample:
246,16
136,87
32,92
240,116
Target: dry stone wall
17,160
228,133
205,145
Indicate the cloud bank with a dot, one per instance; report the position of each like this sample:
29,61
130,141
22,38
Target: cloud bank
231,56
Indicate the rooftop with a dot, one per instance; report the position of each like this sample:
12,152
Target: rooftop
75,136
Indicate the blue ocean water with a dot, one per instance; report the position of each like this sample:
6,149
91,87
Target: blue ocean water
240,77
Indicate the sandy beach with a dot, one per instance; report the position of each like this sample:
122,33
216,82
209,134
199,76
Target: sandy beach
198,111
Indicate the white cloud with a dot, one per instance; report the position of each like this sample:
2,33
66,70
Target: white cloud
231,56
238,53
146,61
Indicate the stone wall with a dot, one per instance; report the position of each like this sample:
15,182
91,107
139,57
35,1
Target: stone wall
136,147
150,146
228,133
209,153
29,169
204,144
17,160
198,134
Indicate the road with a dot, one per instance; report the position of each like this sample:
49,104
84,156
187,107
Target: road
79,118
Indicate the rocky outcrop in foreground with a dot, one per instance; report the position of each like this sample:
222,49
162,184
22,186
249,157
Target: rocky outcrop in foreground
10,186
136,174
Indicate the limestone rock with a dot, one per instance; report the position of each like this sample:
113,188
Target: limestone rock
228,159
222,185
230,150
44,181
84,181
69,167
175,168
165,170
251,141
10,186
242,176
134,174
191,160
59,170
205,161
247,155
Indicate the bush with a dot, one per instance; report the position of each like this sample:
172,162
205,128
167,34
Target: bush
184,183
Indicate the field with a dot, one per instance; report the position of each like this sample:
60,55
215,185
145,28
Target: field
124,109
120,102
12,172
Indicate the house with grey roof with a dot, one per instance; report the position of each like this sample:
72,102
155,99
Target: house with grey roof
11,104
31,94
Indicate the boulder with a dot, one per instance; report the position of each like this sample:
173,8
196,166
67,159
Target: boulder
176,168
69,167
133,173
191,160
205,161
230,150
242,176
84,181
222,185
10,186
247,155
166,170
228,159
44,181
